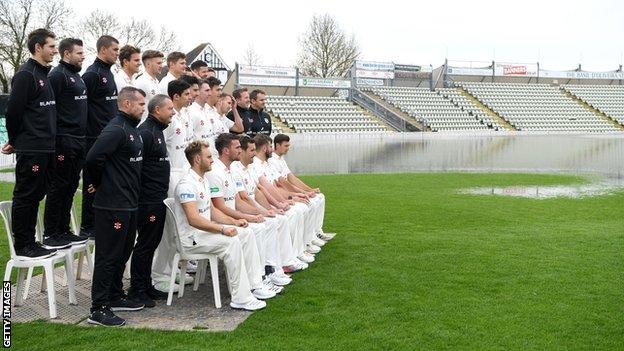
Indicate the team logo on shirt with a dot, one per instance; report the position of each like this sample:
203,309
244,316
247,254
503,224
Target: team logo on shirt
266,120
117,225
186,124
61,158
41,83
153,92
131,137
201,122
35,168
152,218
226,184
104,80
201,195
71,79
159,141
246,181
178,131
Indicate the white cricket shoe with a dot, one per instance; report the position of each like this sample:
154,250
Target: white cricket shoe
280,279
318,242
263,293
163,286
306,257
311,248
326,236
252,305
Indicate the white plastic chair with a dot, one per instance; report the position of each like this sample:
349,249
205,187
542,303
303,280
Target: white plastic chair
181,256
89,254
47,263
82,250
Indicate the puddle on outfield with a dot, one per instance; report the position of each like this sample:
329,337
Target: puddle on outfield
597,188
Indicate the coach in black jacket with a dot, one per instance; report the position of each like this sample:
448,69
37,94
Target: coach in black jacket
71,115
155,173
102,107
31,125
114,162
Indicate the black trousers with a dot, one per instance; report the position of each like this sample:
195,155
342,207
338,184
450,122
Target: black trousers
69,161
114,237
32,178
151,222
88,217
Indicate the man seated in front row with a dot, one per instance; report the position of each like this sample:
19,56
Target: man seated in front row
291,182
225,196
267,181
205,229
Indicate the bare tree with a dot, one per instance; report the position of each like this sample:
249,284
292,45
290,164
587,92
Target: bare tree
326,51
17,19
136,32
251,56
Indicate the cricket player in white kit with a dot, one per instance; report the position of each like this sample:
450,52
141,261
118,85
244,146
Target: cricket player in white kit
226,191
290,226
267,178
176,63
176,141
202,229
291,182
147,81
130,62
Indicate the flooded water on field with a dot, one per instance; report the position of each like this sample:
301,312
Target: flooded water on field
597,188
480,152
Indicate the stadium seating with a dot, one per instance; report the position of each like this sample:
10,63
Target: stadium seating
537,107
441,110
307,114
608,99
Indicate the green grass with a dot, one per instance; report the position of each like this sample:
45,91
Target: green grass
418,266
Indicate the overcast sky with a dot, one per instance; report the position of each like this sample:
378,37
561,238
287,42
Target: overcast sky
560,34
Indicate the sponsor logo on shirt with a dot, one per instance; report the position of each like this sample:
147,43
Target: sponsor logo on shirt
136,159
187,196
214,189
239,184
47,103
80,97
109,98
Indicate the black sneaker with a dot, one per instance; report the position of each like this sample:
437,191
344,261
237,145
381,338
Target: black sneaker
142,298
89,233
34,251
156,294
105,317
55,242
73,239
124,304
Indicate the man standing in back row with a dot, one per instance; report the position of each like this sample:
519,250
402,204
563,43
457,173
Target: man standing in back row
114,162
71,115
101,108
31,125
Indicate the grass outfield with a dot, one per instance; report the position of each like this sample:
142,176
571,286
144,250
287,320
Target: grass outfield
417,266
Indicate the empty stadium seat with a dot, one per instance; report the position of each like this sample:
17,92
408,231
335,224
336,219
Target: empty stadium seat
313,114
